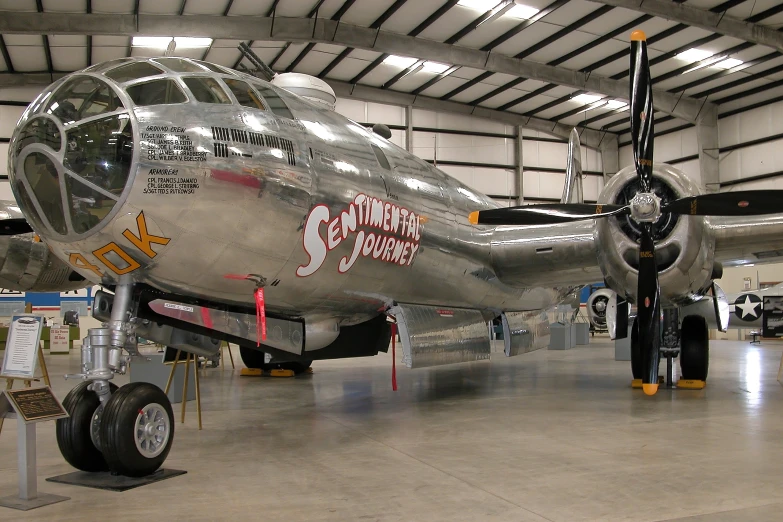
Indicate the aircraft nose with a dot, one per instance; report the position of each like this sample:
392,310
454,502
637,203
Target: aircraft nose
70,158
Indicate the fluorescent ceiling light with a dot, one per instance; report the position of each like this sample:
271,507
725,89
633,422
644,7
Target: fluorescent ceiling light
728,63
400,61
162,42
478,5
435,67
616,104
522,11
587,98
694,55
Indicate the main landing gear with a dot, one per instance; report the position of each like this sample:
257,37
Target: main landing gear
694,352
127,430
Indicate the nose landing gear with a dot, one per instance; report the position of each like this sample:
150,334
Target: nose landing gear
128,430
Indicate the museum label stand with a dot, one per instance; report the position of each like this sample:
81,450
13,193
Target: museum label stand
29,406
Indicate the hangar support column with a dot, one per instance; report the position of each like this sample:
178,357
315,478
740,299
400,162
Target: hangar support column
409,128
519,172
610,155
708,143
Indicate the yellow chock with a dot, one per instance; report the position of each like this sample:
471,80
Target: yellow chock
309,370
251,372
636,384
281,373
691,384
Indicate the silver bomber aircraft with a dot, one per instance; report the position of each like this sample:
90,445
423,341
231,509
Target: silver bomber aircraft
219,206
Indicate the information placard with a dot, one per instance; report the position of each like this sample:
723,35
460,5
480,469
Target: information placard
772,316
58,339
36,404
21,348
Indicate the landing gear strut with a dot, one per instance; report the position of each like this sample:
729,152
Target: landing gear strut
127,430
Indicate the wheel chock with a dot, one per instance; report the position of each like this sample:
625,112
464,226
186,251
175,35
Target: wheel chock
636,384
691,384
281,373
251,372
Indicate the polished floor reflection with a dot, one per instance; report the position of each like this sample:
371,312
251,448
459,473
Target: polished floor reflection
554,436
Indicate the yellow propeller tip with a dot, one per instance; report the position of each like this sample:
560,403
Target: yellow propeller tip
473,217
650,389
638,36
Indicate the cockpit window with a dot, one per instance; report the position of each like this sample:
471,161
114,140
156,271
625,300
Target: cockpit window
206,90
156,92
39,130
214,68
82,97
45,182
87,207
275,102
244,94
133,71
106,65
180,65
101,152
380,156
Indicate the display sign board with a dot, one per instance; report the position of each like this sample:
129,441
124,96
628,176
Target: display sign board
58,339
36,404
21,347
772,316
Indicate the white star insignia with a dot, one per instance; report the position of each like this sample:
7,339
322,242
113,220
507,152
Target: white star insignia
748,308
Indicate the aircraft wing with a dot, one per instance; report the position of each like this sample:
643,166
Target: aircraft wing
748,239
546,255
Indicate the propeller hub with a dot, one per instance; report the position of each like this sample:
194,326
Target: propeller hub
645,207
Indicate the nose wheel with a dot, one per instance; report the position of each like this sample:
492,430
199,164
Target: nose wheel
137,429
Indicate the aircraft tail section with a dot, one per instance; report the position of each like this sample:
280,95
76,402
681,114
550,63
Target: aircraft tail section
572,190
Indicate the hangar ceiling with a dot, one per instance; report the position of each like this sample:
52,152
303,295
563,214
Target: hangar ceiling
554,61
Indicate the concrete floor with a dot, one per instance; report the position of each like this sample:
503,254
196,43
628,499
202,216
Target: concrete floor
549,435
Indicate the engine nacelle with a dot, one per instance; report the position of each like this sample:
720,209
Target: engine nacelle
26,264
597,307
684,245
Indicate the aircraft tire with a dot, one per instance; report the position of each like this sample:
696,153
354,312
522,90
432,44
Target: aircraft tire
694,348
137,429
636,351
73,433
255,359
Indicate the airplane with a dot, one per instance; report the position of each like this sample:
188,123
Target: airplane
219,206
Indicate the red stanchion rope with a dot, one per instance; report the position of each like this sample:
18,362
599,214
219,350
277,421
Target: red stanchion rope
260,316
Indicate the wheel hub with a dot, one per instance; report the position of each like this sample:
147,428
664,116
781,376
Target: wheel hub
152,430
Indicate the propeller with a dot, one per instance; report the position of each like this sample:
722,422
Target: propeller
645,208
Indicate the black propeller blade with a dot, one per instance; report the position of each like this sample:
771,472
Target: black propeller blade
14,226
648,295
648,311
544,214
641,108
742,203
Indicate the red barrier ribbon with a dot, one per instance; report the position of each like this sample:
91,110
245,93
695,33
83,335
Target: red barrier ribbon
260,316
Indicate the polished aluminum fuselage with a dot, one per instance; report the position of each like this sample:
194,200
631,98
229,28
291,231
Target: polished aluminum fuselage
230,204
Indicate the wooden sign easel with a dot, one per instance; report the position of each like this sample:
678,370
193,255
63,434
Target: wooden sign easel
188,358
9,381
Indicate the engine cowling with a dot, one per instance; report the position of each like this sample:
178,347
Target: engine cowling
684,245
